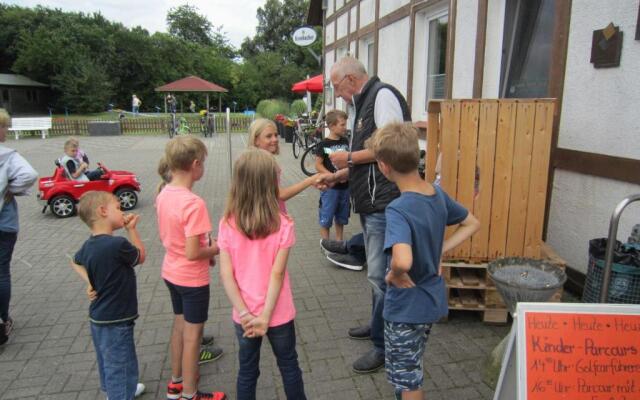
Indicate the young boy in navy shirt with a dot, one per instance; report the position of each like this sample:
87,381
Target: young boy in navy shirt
106,262
334,202
415,296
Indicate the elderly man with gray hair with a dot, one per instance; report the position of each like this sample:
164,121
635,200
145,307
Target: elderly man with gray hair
372,104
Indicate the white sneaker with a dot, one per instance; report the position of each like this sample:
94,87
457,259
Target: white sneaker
140,388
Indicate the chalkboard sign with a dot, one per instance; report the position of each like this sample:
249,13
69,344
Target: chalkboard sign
578,351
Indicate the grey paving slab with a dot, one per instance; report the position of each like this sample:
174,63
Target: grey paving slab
50,354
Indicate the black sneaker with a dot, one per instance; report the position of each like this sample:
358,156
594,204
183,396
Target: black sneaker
207,340
345,261
371,362
329,246
3,334
210,354
360,333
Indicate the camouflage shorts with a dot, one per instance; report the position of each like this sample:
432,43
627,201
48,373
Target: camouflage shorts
403,349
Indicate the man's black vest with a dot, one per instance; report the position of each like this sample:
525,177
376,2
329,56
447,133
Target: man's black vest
370,190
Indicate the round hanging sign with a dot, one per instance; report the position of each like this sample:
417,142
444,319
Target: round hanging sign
304,36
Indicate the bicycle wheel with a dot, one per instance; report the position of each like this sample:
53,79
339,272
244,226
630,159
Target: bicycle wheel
297,145
308,161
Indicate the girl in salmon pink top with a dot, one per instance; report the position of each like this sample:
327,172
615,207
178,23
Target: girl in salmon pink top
263,134
184,226
254,238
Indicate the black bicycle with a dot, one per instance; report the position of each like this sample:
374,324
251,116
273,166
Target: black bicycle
304,136
308,160
173,125
208,124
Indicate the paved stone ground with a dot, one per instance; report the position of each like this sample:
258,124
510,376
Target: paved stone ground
50,354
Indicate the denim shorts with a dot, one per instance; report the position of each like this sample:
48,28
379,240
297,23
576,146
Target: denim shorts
193,302
334,203
404,346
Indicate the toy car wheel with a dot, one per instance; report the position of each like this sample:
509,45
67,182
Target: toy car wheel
128,199
62,206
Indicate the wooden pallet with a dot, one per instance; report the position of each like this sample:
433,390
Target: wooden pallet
494,157
470,288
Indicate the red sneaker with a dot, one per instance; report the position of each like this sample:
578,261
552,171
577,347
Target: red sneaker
209,396
174,390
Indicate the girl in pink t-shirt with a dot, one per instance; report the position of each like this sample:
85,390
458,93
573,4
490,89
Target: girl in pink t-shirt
184,226
254,238
263,134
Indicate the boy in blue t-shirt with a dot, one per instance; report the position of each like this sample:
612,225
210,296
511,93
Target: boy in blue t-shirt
415,296
105,262
334,202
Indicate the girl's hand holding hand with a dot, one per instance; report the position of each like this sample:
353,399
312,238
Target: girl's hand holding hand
258,326
245,319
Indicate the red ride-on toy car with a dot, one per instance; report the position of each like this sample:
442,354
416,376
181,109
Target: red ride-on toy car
61,194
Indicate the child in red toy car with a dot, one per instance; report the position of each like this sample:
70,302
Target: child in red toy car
75,169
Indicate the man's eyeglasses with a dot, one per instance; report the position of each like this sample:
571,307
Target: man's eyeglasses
335,87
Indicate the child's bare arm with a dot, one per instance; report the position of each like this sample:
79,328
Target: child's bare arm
401,262
468,227
231,288
91,293
80,270
193,251
320,166
131,221
260,324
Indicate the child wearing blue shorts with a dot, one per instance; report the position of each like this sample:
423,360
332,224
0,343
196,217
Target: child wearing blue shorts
334,202
415,296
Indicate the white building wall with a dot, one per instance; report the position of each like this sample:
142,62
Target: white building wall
581,208
599,115
328,63
329,33
493,49
394,54
339,4
343,26
465,48
389,6
600,105
354,19
367,12
352,47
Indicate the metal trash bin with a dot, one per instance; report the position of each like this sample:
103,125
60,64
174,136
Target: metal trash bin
624,285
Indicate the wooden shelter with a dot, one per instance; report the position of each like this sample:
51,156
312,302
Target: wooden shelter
194,84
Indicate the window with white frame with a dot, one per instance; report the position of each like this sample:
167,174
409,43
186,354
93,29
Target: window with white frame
366,54
429,57
436,56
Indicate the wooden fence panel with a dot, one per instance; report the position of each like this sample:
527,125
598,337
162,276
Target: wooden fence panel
543,129
433,140
502,178
149,125
450,141
467,157
520,178
486,159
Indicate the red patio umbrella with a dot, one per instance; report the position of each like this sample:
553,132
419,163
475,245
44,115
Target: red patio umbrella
314,85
